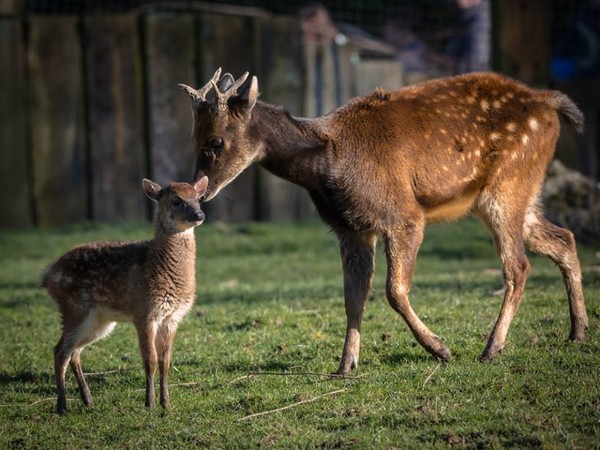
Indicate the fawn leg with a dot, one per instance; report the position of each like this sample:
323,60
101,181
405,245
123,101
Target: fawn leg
84,389
147,337
401,251
61,361
79,330
558,244
358,261
164,348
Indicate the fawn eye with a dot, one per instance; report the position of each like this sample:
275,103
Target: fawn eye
176,201
216,145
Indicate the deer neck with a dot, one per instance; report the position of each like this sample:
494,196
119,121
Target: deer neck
294,149
177,251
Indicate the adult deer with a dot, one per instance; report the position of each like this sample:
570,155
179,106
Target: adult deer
389,163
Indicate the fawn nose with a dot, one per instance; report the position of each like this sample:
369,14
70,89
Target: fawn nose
199,216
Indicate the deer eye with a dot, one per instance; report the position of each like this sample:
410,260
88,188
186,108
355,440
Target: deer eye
216,145
176,201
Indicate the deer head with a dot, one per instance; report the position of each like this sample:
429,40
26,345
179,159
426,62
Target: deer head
178,204
221,132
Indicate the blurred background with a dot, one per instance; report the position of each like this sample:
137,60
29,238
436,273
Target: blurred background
89,102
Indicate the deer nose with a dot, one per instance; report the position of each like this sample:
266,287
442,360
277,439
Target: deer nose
199,216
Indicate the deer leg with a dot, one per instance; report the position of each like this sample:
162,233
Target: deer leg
558,244
507,230
401,251
61,361
358,262
164,348
147,337
78,331
84,390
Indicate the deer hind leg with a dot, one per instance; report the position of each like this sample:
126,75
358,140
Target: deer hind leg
358,261
61,361
147,337
505,221
401,251
558,244
77,333
164,348
84,390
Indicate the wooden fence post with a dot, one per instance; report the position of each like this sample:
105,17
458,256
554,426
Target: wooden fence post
57,121
371,74
230,42
114,91
281,82
523,40
170,55
15,196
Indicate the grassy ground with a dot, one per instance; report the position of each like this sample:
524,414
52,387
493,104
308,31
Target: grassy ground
270,301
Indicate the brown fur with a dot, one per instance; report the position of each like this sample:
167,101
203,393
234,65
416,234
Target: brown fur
150,283
390,163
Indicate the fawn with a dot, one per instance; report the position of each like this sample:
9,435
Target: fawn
150,283
387,164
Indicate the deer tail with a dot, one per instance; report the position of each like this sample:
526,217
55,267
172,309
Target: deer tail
44,277
566,108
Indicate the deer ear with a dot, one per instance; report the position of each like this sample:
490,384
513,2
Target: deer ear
225,82
201,185
250,93
151,189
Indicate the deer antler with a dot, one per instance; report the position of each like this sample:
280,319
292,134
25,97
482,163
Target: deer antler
200,94
222,97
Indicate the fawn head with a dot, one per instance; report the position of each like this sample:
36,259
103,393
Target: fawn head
222,139
178,204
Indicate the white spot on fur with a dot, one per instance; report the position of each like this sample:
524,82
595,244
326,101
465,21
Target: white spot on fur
484,105
513,155
533,124
494,136
524,139
511,126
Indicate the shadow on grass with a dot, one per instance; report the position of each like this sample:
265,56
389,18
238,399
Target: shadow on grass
296,293
35,383
267,366
44,383
20,285
400,358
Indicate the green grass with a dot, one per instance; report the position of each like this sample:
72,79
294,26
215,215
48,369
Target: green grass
270,300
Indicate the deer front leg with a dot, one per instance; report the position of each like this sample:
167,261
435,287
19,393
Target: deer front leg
147,336
164,348
401,251
358,261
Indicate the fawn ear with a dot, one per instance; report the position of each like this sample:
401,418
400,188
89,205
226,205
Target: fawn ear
201,185
151,189
250,93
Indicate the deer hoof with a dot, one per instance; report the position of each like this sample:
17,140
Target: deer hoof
578,333
444,355
489,354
